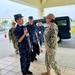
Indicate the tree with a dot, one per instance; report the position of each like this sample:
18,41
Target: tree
4,23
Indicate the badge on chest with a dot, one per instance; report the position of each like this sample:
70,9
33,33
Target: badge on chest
39,32
27,34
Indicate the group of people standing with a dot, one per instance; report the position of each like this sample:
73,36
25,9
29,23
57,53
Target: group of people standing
27,38
39,30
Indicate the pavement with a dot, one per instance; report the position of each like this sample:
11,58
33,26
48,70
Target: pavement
10,65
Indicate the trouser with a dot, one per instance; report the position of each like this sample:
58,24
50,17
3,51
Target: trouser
15,44
40,41
51,63
25,58
34,46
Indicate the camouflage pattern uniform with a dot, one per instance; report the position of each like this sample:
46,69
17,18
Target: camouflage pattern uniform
13,38
51,44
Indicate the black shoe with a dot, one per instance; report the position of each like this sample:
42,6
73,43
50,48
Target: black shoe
29,72
35,58
24,74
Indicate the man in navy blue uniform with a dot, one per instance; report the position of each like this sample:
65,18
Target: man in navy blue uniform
23,44
32,29
40,29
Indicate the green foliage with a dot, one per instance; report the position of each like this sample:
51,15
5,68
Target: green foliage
73,20
73,30
4,23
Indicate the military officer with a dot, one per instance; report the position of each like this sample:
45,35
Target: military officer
40,29
32,30
51,45
23,44
13,38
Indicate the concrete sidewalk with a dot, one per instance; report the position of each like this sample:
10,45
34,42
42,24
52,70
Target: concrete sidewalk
66,59
9,62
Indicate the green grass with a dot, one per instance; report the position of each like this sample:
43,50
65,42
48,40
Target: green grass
73,30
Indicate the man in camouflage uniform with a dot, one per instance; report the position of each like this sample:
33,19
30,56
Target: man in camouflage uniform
23,44
13,38
51,45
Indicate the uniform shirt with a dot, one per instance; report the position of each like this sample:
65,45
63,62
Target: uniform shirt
51,36
18,33
40,30
32,30
11,35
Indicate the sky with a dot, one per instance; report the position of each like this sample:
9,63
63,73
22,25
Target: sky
9,8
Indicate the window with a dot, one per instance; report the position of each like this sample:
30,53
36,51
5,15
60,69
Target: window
61,23
45,25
